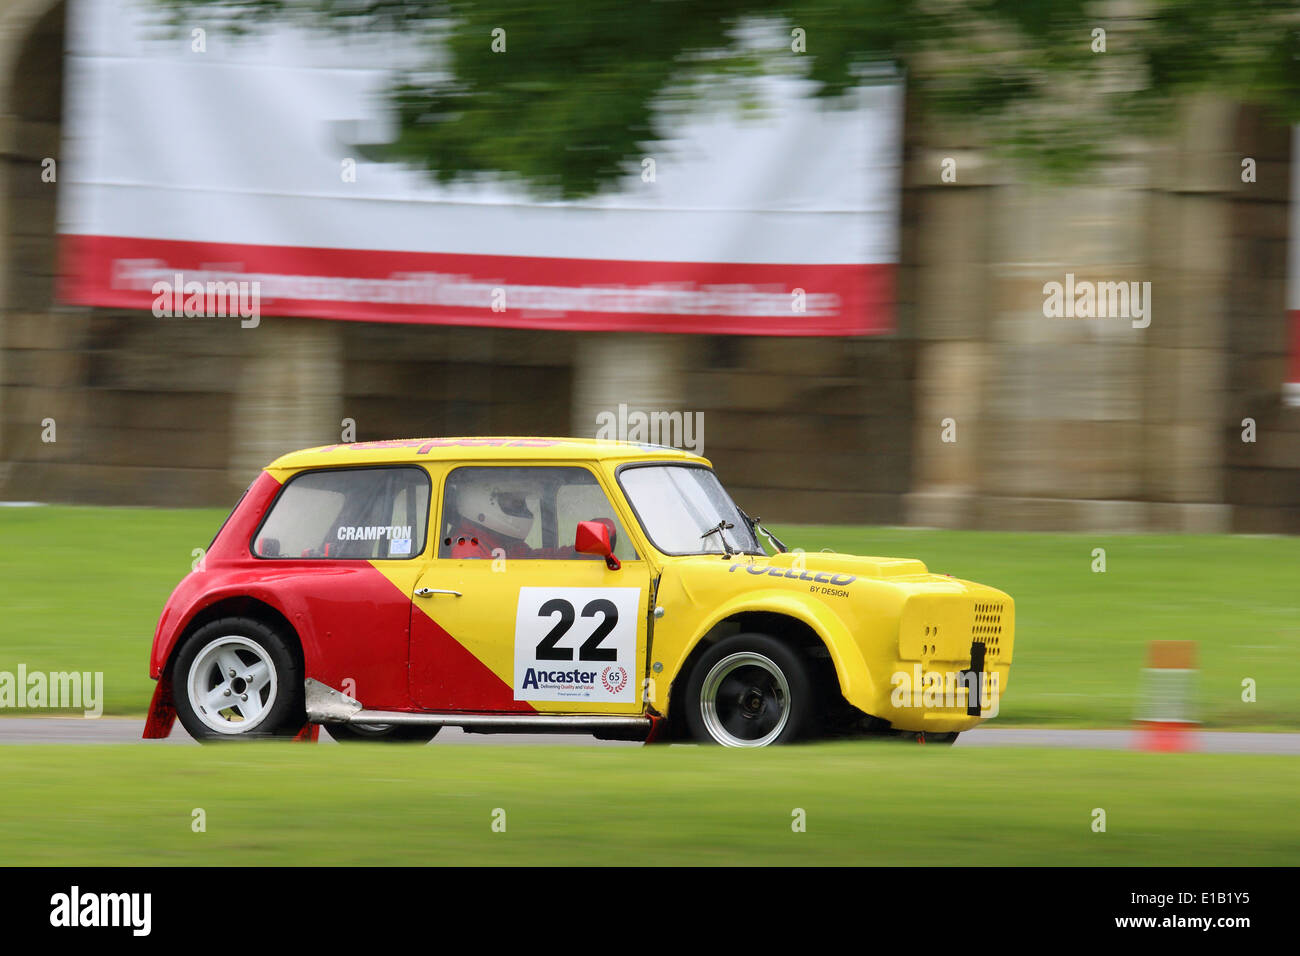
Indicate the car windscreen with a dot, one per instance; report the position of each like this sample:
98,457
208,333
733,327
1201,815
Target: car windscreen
679,504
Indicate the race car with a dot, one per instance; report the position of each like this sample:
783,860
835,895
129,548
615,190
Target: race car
387,589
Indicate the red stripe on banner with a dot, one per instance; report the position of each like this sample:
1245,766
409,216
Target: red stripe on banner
1294,374
456,289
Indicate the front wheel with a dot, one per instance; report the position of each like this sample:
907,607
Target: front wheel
749,690
236,678
388,733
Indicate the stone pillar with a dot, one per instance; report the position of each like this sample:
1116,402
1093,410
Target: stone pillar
1263,476
950,309
40,364
1077,423
1194,174
290,392
643,371
1064,398
31,90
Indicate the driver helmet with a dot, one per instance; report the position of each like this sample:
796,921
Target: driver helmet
497,506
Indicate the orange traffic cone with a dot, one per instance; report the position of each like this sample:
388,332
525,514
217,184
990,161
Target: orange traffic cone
1164,721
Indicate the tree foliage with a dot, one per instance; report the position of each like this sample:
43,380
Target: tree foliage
585,89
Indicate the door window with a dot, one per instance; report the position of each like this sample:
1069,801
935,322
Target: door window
524,512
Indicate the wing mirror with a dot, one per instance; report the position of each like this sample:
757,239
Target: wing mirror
593,537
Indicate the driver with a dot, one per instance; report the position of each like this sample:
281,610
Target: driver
492,515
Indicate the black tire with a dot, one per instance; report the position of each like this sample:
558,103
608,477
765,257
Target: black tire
736,693
385,733
252,644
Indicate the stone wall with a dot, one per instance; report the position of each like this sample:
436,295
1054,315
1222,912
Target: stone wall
141,406
807,429
1262,481
1093,424
402,381
41,367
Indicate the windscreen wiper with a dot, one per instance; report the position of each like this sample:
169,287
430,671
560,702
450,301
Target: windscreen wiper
718,529
756,525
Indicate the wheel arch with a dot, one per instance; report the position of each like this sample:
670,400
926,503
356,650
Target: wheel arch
814,632
245,606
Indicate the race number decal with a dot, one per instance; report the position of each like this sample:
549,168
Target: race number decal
576,644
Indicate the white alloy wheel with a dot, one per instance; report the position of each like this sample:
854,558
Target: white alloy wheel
232,684
745,700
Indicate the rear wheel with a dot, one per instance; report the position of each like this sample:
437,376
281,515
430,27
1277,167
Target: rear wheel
750,690
237,678
388,733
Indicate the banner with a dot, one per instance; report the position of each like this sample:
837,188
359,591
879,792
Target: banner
244,162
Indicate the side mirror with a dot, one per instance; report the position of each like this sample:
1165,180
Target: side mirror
593,538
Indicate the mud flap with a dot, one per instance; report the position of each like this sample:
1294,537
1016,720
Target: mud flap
658,730
310,733
162,711
973,679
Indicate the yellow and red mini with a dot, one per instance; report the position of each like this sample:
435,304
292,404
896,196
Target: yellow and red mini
387,589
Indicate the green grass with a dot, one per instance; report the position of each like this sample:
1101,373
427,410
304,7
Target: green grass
81,589
865,803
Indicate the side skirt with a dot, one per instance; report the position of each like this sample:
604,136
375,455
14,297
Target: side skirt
325,705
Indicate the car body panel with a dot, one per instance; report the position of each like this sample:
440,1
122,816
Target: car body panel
871,613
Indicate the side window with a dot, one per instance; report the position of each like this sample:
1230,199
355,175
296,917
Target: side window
579,501
524,512
352,514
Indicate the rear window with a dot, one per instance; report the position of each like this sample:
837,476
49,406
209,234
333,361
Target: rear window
348,514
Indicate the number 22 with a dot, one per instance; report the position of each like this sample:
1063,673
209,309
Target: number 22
590,649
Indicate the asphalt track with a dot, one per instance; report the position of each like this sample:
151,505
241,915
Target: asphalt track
121,730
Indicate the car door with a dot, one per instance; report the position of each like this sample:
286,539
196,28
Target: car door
508,617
